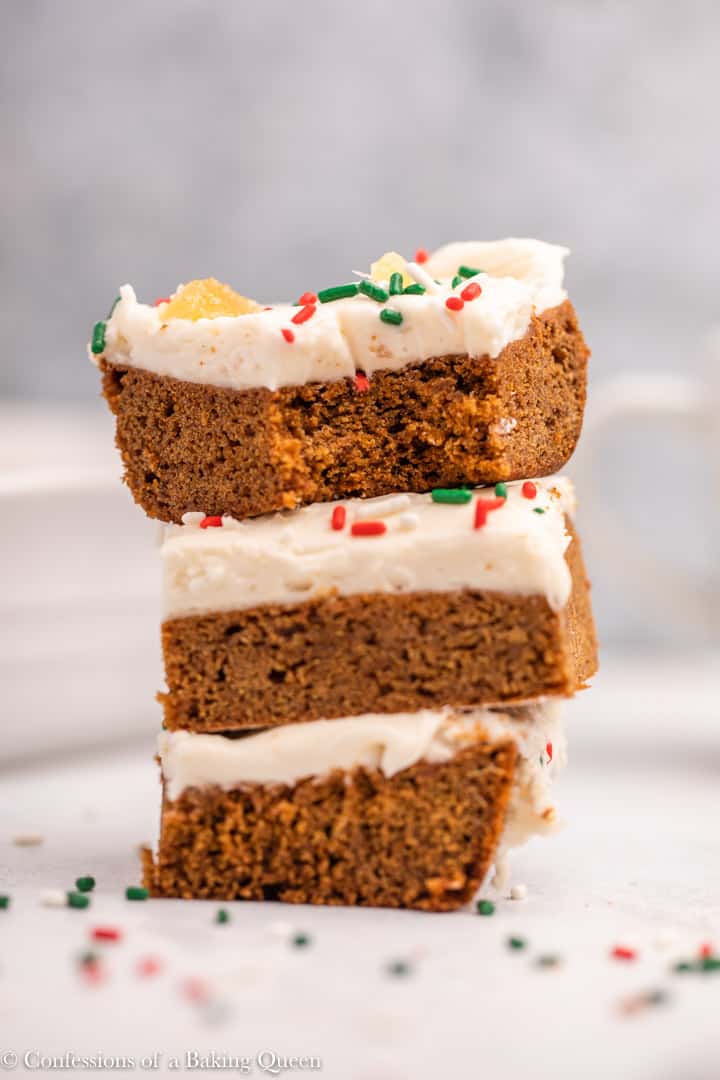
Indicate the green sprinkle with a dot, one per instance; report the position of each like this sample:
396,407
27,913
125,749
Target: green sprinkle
4,902
399,968
85,884
682,967
389,316
501,490
457,280
338,292
710,963
548,960
396,284
468,271
115,303
136,892
375,292
300,941
485,907
516,943
98,338
451,495
538,510
416,289
222,916
78,900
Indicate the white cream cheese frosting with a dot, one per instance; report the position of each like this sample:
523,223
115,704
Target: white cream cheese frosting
519,277
390,743
294,556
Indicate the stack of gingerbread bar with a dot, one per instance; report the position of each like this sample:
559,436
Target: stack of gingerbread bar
374,596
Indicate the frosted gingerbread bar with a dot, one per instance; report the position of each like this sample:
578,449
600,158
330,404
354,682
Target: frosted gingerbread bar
467,368
391,605
392,811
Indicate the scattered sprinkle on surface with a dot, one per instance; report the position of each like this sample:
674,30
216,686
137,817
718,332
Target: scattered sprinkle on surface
148,965
516,943
4,901
548,960
623,952
85,884
54,898
136,892
300,940
78,900
106,933
28,840
451,496
398,968
518,892
222,916
485,907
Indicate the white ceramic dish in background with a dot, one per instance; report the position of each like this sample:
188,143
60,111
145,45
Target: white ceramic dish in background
79,608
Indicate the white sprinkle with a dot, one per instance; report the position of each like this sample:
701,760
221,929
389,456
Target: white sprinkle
518,892
380,508
192,518
423,278
28,840
409,521
362,274
53,898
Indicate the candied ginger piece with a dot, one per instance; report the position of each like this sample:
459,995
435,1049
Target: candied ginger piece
206,300
391,263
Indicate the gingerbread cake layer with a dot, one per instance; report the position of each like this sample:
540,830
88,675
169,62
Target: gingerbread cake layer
404,811
228,416
286,619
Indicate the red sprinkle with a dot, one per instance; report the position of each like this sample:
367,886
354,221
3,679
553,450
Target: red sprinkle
162,300
307,298
303,314
549,750
213,522
337,520
268,307
483,508
471,291
93,972
454,303
195,989
148,965
623,952
368,528
106,933
706,950
288,335
362,382
529,490
421,256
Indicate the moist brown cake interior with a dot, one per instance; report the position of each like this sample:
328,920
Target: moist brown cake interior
424,838
381,652
446,421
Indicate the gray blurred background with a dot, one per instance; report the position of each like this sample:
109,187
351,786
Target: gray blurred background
277,146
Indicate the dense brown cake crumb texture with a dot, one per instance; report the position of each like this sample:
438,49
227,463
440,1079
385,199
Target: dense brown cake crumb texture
424,838
381,652
445,421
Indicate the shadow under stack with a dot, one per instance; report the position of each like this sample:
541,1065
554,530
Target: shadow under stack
373,605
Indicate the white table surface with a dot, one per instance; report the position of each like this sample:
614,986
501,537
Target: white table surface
638,863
